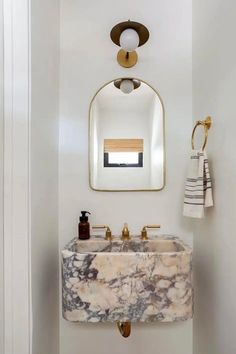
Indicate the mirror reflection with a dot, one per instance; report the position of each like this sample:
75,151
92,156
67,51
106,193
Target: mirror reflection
126,137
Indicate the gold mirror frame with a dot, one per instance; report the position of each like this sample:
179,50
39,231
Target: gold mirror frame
164,140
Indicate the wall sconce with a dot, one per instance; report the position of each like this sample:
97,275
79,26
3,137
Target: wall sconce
127,85
129,35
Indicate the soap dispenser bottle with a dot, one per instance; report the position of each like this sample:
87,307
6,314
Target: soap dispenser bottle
84,227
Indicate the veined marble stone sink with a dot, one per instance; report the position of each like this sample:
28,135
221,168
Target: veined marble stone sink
127,280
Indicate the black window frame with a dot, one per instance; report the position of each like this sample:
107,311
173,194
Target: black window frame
107,164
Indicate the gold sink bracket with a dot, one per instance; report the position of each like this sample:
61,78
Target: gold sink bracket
125,233
108,234
124,328
144,235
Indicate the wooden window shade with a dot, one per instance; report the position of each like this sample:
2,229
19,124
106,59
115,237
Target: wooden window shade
123,145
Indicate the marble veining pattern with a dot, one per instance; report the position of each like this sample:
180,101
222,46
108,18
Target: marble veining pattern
127,281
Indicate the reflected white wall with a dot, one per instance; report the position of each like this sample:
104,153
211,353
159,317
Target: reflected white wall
157,151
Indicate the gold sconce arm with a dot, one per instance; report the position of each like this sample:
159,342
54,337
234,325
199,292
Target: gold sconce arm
144,235
108,235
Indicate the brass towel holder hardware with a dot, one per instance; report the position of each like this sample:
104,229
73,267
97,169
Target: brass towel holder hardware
206,123
108,235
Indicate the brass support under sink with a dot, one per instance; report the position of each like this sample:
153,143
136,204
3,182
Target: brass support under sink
108,235
124,328
144,235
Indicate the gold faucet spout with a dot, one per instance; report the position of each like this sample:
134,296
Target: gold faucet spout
125,233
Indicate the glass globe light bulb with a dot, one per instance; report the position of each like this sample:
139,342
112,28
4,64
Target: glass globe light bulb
129,40
127,86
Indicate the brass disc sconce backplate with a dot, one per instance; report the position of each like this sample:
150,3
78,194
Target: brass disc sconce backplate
127,59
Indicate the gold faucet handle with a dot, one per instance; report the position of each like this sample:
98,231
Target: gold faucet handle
144,235
108,235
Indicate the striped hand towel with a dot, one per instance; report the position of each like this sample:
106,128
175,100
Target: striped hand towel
198,188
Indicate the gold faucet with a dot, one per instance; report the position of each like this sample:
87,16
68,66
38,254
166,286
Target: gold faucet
125,233
144,235
108,235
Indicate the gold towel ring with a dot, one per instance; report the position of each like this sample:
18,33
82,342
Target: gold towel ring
206,124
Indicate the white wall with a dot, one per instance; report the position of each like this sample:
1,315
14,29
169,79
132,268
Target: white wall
44,174
214,78
1,180
88,60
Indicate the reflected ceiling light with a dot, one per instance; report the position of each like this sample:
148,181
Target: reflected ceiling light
127,85
129,35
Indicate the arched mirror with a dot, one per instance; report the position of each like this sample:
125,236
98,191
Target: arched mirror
126,132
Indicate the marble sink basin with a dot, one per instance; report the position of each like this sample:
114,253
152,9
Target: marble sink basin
127,280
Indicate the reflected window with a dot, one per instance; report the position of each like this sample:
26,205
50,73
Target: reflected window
123,153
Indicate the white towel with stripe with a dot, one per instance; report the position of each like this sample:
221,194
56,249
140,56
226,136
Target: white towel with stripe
198,188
